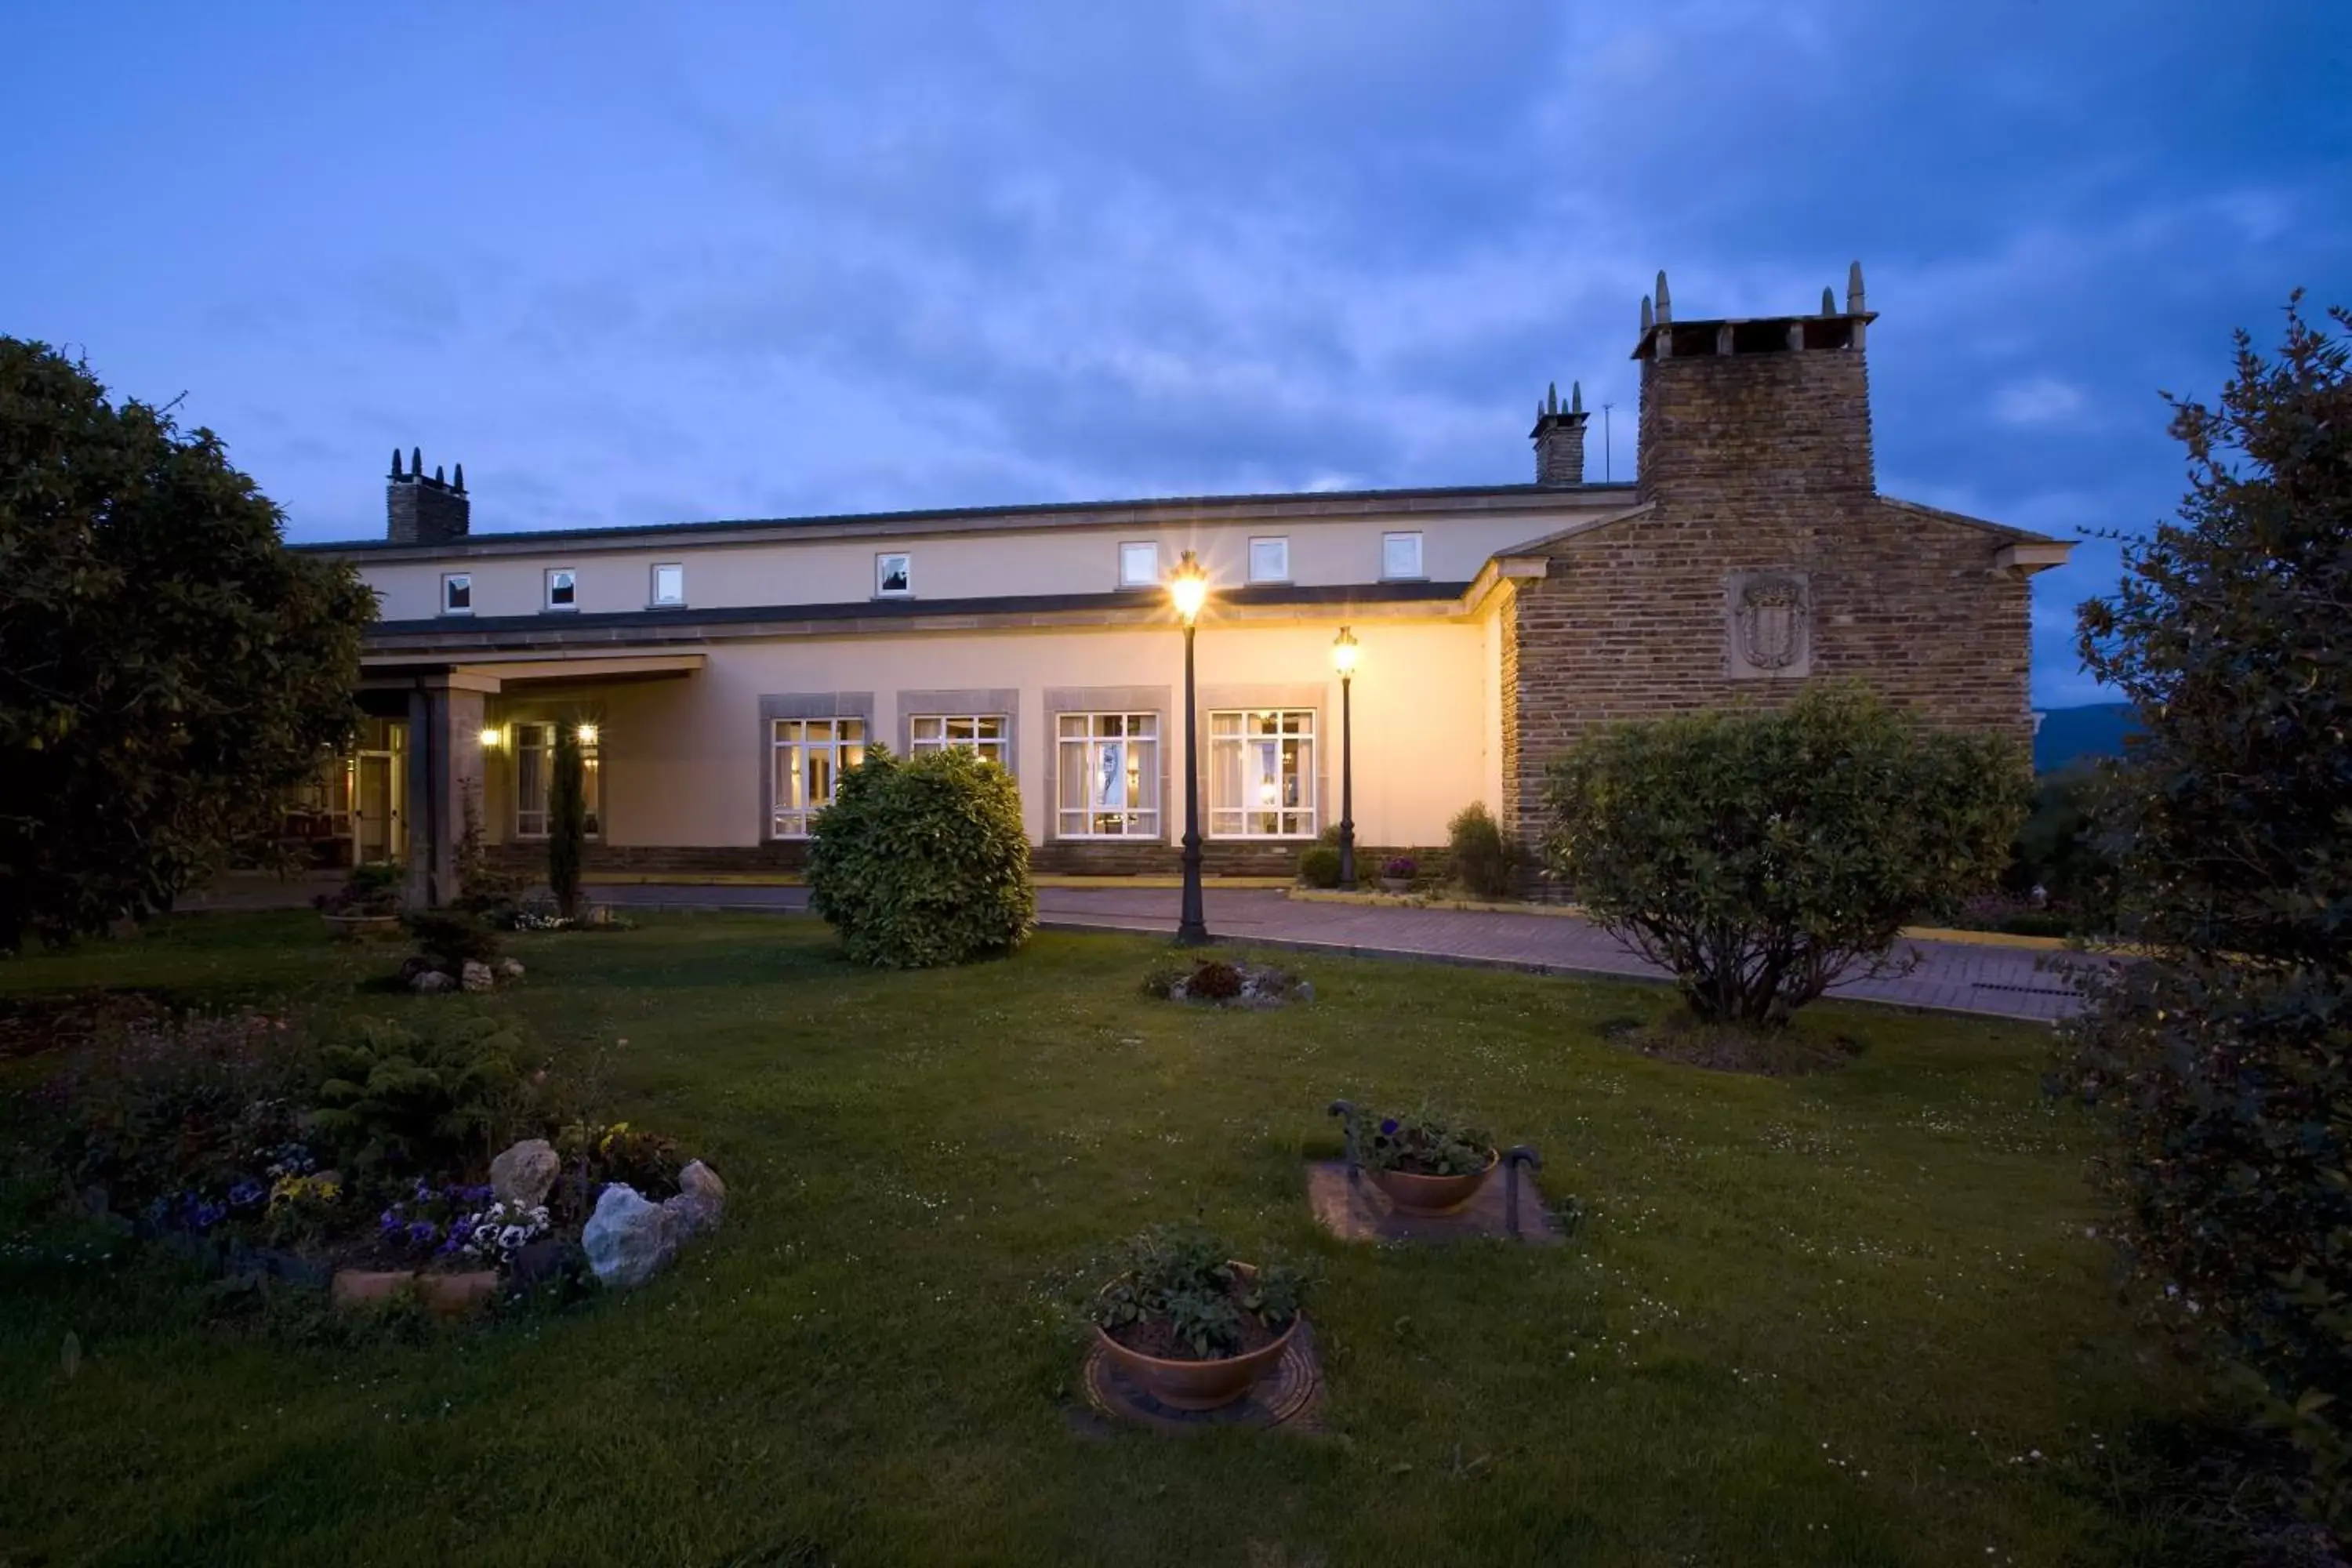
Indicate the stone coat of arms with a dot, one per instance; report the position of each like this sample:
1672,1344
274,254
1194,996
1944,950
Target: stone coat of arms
1771,623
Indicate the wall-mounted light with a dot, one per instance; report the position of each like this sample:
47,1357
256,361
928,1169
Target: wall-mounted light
491,737
587,734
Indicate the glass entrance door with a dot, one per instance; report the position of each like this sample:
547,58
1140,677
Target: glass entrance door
376,816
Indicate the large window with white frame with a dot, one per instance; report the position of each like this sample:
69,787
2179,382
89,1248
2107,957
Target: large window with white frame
534,754
1269,560
809,756
1107,775
989,734
1139,564
1262,774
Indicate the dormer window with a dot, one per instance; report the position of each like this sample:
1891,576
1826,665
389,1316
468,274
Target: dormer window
457,592
894,575
1138,566
669,586
1269,560
562,588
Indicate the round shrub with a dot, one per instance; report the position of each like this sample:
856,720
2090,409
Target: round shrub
1760,855
1319,866
924,862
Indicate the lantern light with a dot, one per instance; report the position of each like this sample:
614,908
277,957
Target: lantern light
1187,587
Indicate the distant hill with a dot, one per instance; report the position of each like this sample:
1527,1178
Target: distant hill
2093,730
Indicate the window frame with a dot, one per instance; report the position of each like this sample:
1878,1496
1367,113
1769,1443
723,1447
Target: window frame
462,582
1283,539
571,576
654,599
1000,743
833,745
1148,778
881,574
1420,557
536,736
1125,580
1292,823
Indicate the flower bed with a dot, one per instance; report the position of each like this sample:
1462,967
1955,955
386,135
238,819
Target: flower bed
239,1142
1228,984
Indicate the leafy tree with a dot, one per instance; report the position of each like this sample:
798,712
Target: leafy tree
924,862
567,821
2224,1062
1758,854
168,668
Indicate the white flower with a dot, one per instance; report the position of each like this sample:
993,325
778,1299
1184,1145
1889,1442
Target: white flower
514,1235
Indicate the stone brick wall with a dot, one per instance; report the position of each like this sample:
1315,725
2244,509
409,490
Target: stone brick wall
1757,461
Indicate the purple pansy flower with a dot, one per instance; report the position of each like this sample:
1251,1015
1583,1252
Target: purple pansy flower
1388,1127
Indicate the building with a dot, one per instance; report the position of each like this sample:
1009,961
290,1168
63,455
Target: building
724,673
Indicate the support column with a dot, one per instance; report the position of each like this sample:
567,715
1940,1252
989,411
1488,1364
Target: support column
444,766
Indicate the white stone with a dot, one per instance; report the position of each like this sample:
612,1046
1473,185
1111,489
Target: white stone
524,1172
701,1201
478,975
628,1240
511,969
432,980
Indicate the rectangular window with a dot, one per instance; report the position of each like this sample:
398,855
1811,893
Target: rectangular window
989,734
894,575
458,594
1269,560
1138,566
809,757
1400,555
669,586
562,589
1262,774
1106,774
534,754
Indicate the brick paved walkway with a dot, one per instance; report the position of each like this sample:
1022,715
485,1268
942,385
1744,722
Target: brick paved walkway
2004,982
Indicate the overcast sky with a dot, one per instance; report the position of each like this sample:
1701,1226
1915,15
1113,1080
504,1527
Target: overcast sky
650,262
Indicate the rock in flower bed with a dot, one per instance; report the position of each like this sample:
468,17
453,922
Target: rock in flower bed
1234,985
457,951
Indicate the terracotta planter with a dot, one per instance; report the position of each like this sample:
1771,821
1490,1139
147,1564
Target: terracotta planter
443,1295
359,926
1198,1385
1414,1193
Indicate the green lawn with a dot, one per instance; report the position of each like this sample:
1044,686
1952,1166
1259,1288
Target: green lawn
1823,1319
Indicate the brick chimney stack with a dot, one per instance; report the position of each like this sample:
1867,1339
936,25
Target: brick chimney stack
1742,415
1559,436
421,510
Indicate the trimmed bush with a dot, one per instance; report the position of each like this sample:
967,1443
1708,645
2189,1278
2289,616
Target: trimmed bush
1758,855
924,862
1482,861
1319,866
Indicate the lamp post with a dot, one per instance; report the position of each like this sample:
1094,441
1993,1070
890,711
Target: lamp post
1343,659
1188,590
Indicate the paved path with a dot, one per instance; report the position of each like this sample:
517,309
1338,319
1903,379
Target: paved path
2005,982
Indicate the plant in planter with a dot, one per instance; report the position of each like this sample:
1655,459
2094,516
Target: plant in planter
369,900
1428,1163
1398,872
1192,1326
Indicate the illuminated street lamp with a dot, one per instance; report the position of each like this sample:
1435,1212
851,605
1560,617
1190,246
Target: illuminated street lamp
1343,659
1188,591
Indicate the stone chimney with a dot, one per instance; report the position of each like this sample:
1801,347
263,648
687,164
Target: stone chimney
1756,415
1559,436
421,510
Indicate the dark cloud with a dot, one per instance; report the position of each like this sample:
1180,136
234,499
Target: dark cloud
658,264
